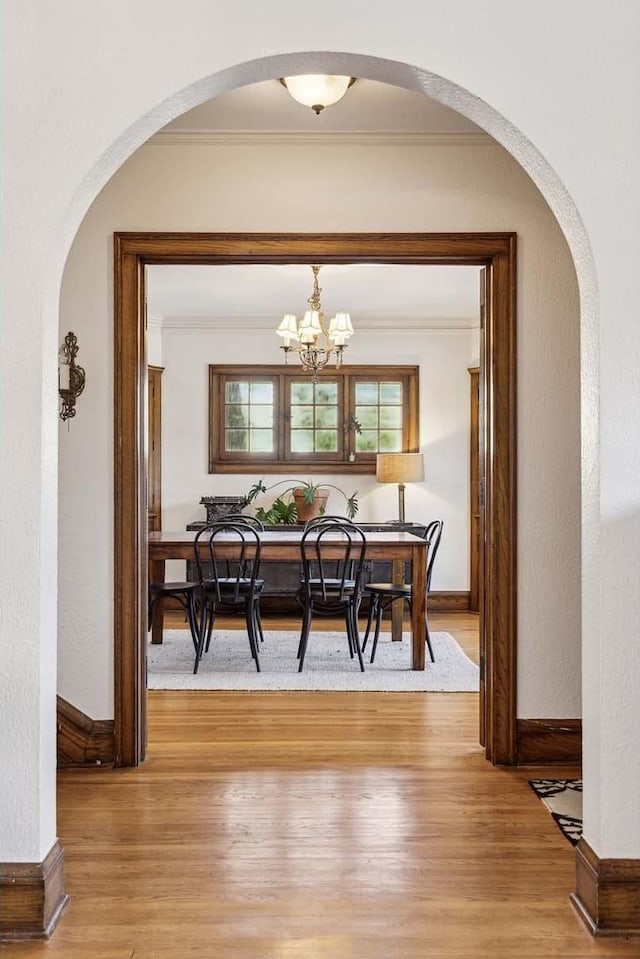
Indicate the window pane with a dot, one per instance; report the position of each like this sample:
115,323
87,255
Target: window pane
391,417
326,441
237,416
367,416
326,393
326,417
301,417
391,441
236,392
367,393
261,441
237,440
367,441
261,416
261,392
302,441
391,393
302,392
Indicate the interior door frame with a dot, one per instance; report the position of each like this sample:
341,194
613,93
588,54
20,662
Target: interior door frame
496,252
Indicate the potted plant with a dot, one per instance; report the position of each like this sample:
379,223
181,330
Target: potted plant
300,501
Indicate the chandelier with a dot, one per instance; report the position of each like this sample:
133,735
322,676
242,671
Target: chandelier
312,340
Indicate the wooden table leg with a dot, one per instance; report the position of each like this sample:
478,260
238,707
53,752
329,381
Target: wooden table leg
397,607
156,575
419,604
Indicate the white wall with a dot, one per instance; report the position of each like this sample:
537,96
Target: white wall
518,70
443,358
356,187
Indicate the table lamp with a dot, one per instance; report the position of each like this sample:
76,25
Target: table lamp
400,468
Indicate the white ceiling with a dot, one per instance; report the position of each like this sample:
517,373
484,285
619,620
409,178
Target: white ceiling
367,106
258,295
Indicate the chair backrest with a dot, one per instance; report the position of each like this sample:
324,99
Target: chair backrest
432,534
232,576
324,519
239,519
333,555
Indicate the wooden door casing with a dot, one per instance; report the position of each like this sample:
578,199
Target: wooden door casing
496,252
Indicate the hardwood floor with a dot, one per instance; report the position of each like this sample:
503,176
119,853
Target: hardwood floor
315,826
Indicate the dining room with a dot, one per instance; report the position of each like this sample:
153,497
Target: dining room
343,420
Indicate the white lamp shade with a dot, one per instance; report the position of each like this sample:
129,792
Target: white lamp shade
310,325
399,467
316,89
289,327
340,328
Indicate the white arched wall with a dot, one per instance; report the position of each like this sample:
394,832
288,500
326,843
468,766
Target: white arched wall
109,70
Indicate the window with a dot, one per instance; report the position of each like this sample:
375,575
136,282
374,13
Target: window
276,418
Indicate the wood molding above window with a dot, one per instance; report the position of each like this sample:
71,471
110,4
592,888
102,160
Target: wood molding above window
276,418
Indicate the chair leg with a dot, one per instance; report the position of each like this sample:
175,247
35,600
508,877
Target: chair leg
376,635
202,633
373,608
259,621
250,616
192,618
304,637
352,631
428,639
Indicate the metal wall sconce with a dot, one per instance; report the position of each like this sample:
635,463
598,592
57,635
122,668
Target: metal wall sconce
70,376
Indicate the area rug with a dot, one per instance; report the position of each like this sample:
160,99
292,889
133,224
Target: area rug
563,799
327,666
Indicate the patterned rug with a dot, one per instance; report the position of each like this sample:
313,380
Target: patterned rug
327,666
563,799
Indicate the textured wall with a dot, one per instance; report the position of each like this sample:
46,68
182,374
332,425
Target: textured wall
85,84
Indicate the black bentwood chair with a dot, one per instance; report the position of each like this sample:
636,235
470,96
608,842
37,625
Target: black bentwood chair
383,594
185,593
239,519
332,555
230,584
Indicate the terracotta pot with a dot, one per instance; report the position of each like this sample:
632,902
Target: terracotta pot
310,510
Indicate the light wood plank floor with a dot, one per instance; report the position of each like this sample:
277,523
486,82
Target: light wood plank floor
315,826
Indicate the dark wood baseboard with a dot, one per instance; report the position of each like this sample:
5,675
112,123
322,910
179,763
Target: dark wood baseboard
449,601
32,897
440,601
543,742
83,741
607,896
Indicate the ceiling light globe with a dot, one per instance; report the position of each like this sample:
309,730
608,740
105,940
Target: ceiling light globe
317,90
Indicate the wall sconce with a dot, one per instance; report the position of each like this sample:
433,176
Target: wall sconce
70,376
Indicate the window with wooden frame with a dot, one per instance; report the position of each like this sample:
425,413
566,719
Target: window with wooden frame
276,418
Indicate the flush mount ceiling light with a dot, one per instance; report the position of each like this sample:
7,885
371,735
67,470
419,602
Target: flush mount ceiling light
317,90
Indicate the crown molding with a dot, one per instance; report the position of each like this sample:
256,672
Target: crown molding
378,325
300,138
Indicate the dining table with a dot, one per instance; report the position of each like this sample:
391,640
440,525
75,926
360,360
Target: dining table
396,546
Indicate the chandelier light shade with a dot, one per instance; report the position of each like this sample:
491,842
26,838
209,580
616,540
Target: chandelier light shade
314,342
317,90
400,468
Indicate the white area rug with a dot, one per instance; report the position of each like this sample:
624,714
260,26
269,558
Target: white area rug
327,665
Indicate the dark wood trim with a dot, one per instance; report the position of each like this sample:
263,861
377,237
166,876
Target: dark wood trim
607,896
281,459
546,741
83,741
154,439
494,251
474,489
440,601
32,896
449,601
